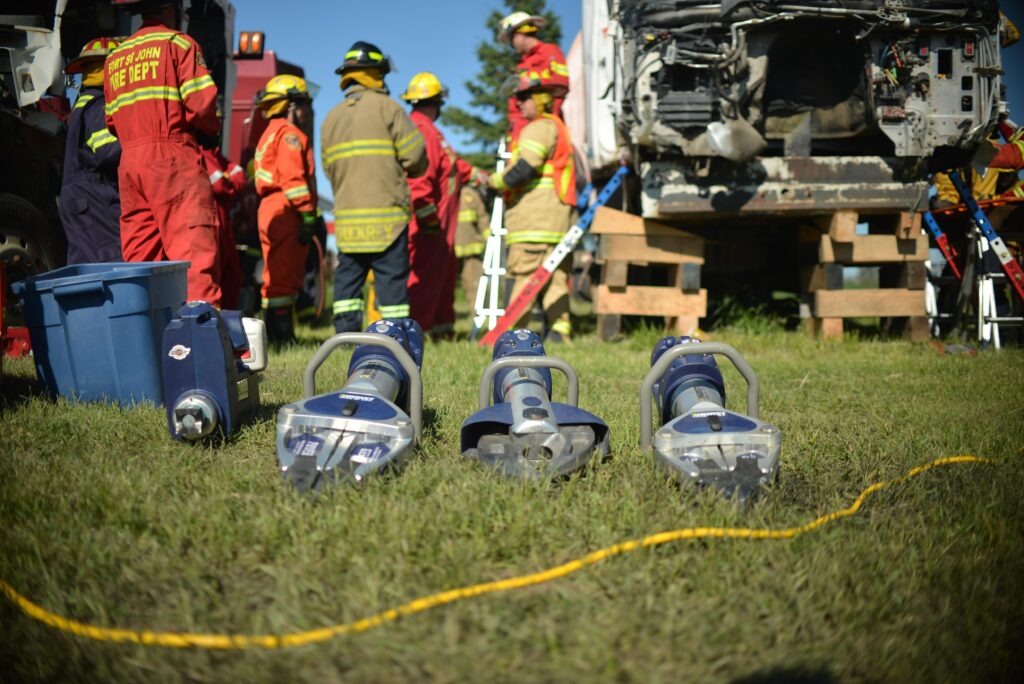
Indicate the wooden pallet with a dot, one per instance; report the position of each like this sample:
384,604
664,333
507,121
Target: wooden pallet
896,244
628,241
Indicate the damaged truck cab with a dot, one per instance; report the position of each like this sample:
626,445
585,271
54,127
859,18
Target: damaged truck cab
768,106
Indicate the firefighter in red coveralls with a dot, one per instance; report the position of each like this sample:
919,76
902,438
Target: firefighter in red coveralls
227,179
160,97
535,57
435,212
287,216
90,208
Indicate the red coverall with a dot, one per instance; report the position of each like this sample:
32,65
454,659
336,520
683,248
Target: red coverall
227,179
548,63
285,181
435,199
159,95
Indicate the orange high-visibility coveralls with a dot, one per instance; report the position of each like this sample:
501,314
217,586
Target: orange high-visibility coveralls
227,179
546,63
435,202
285,181
159,96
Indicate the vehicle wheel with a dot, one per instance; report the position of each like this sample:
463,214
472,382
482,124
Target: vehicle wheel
29,245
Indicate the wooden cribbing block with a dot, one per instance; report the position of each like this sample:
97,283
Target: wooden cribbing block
614,273
868,303
829,328
821,277
643,300
843,225
608,221
872,249
909,225
657,249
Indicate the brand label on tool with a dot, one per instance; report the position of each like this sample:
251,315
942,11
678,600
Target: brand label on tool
179,351
305,446
367,453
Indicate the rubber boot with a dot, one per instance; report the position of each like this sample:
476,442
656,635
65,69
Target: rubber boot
280,322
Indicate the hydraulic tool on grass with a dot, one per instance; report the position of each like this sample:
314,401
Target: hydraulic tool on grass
211,365
699,441
524,434
371,423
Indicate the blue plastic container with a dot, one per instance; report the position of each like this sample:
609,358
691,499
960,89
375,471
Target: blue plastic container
96,329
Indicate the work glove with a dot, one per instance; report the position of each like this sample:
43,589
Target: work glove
310,219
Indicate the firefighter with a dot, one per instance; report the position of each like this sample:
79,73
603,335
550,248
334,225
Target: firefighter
227,179
369,146
545,60
435,207
471,235
285,180
90,207
160,99
540,194
1008,162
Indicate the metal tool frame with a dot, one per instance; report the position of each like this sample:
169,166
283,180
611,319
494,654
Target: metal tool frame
389,343
662,365
553,362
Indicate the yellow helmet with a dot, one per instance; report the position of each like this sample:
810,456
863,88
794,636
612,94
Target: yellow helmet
424,86
279,92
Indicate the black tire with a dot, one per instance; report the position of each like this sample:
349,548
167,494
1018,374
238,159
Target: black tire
29,244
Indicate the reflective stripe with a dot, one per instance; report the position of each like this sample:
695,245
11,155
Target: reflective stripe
470,249
467,215
140,94
382,215
235,170
297,192
358,148
426,210
353,54
347,306
286,300
265,176
83,100
99,139
394,311
547,237
536,147
260,151
216,176
195,85
166,36
562,327
559,68
409,142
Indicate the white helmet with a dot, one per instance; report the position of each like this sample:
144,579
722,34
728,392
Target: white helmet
519,21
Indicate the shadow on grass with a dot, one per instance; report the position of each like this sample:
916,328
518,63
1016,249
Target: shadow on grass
778,675
16,390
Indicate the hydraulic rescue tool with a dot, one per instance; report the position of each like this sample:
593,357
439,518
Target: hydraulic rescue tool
699,441
211,365
370,423
524,434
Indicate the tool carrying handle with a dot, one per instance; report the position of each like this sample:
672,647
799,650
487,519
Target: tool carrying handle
356,338
670,355
528,362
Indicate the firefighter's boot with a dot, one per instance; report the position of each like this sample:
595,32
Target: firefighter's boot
280,322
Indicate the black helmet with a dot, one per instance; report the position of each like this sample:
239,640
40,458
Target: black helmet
363,55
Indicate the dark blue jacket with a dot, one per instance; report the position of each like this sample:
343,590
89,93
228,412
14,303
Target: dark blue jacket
90,207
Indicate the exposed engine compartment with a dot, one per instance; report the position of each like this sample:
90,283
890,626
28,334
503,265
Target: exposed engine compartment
707,93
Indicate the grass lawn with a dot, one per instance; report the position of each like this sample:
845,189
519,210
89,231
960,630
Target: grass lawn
105,520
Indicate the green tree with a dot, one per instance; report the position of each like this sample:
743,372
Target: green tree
497,63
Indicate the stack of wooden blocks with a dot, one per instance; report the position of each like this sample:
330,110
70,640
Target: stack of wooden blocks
625,240
896,243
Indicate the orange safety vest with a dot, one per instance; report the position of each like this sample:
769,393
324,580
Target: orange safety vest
560,168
